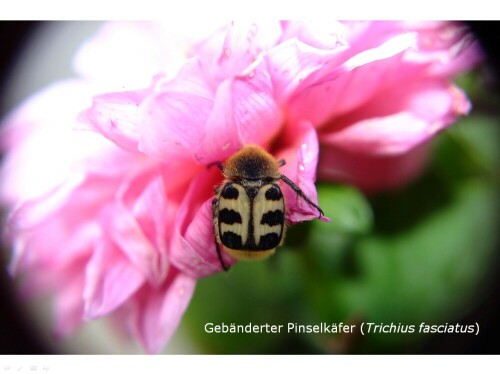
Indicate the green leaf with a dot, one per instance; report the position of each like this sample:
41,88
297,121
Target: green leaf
348,209
329,244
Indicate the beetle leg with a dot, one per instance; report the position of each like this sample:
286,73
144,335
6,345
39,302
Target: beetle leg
219,254
299,192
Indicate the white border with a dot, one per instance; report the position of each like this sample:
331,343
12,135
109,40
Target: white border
78,364
282,9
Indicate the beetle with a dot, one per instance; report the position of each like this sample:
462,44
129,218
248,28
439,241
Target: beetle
249,208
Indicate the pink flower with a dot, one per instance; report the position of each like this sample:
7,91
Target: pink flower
117,221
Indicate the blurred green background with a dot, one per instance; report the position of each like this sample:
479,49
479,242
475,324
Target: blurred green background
427,253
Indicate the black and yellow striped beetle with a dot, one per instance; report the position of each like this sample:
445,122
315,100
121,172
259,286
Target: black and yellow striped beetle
249,208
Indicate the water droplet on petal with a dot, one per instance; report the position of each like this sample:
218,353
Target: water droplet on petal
301,167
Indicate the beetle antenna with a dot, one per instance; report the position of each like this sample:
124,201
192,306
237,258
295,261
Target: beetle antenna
299,192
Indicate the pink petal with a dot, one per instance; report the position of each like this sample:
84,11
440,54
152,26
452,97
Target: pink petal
369,34
448,47
34,212
244,112
74,202
150,211
117,116
157,312
179,173
39,247
69,305
127,234
174,119
301,161
321,34
372,173
110,279
68,215
39,132
292,61
333,91
462,57
193,250
234,48
399,121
